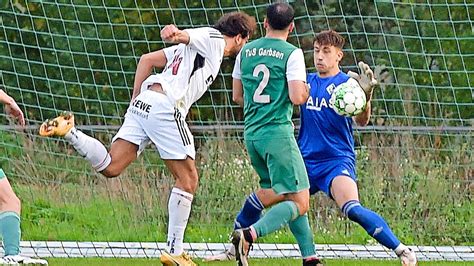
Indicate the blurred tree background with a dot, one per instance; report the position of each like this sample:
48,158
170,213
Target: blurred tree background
82,56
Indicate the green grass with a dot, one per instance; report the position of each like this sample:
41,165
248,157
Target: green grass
426,201
256,262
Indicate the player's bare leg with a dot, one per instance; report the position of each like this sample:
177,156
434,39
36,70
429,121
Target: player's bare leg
345,192
110,164
10,208
8,199
122,153
266,197
179,209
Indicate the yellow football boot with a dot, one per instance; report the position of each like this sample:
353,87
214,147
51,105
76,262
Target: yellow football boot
178,260
58,126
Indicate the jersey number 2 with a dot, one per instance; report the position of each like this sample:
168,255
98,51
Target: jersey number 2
258,97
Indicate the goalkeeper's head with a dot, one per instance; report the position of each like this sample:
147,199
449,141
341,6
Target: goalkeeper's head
236,27
328,52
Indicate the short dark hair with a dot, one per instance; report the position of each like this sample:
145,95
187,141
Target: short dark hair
330,37
280,15
235,23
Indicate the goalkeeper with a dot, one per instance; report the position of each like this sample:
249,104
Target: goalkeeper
157,113
327,144
10,205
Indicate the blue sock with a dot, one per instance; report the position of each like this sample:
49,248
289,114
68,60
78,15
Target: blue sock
250,212
371,222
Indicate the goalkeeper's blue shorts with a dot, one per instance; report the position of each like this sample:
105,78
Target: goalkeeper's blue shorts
321,173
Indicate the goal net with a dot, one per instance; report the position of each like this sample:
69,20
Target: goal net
414,159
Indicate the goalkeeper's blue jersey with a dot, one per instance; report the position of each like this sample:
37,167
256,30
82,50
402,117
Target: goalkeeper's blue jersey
324,135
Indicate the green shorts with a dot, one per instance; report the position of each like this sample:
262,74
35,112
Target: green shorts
279,164
2,174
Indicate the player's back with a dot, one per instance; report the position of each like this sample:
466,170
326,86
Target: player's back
267,107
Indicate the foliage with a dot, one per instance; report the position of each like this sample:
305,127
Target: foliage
82,57
427,201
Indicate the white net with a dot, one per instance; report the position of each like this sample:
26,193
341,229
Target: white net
414,159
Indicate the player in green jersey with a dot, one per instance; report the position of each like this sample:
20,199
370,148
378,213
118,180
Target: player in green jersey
269,77
10,205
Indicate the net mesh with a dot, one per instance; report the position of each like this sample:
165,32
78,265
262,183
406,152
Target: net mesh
414,159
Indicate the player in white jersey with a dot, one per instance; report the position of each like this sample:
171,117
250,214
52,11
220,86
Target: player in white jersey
157,113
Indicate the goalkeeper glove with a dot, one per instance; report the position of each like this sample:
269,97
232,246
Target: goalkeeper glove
366,79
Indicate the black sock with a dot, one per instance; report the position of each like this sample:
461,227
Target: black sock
248,235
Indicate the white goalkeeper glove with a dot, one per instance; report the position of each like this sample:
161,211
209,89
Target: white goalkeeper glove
366,79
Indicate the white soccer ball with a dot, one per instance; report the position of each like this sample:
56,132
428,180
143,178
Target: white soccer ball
348,98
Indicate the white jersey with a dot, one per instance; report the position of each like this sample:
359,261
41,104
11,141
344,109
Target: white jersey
191,68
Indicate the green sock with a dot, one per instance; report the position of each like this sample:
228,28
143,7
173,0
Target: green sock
304,236
10,229
277,217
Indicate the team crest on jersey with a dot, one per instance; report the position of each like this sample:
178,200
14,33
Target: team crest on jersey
330,88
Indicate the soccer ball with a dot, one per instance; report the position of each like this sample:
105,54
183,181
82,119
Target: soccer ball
348,99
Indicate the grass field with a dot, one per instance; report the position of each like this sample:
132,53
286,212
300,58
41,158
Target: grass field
80,205
256,262
83,206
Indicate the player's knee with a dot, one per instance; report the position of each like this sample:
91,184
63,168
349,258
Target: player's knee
303,208
111,172
301,199
12,203
357,213
16,203
188,182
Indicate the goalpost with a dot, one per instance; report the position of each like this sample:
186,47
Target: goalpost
414,159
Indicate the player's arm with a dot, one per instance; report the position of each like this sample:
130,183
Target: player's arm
367,82
145,66
237,92
237,87
299,91
296,75
11,107
363,118
170,33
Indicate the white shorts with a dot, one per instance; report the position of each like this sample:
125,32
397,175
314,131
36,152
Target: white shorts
152,117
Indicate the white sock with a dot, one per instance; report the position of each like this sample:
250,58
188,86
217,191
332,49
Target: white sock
93,150
179,208
399,249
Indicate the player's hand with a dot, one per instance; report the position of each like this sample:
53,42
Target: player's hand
366,79
12,109
169,33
